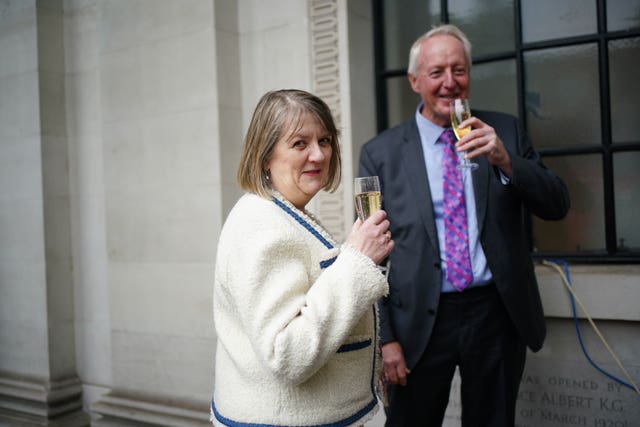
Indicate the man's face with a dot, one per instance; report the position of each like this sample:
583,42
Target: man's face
443,74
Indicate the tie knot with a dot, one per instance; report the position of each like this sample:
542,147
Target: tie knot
447,136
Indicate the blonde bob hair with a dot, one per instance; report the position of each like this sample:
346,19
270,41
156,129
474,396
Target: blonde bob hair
278,114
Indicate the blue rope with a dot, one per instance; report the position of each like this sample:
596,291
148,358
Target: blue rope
564,264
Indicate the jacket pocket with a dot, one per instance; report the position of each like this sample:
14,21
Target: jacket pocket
358,345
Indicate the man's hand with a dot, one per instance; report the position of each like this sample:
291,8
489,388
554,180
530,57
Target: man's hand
395,368
483,141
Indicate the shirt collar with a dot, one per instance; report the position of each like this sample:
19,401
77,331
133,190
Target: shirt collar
429,131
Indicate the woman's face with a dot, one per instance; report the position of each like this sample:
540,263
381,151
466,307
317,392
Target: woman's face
299,164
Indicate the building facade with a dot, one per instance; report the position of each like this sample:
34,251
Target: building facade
121,124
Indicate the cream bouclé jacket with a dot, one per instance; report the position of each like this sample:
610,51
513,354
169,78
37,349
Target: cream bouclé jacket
295,321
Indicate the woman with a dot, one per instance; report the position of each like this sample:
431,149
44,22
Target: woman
294,311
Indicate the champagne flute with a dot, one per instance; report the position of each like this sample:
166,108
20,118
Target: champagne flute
368,199
368,196
460,111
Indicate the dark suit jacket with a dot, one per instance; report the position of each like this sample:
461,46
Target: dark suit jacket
407,315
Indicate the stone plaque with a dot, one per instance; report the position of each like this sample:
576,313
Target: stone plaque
563,393
566,393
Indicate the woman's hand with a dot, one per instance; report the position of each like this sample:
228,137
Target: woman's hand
372,237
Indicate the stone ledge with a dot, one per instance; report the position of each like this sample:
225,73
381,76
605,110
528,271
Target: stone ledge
607,292
120,410
30,401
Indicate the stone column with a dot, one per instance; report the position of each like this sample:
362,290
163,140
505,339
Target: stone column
160,125
38,380
342,75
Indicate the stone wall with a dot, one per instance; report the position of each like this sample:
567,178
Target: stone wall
121,124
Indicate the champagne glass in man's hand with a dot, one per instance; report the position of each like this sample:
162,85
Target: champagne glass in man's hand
460,111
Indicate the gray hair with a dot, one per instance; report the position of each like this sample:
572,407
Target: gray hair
446,29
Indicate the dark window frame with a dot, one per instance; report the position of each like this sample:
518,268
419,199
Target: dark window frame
606,148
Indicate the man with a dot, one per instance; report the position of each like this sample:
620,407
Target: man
432,320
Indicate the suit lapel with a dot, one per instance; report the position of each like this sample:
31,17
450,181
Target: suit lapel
417,179
480,179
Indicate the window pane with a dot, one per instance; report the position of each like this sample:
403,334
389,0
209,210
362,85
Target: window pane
404,22
583,228
402,101
562,96
626,168
623,14
624,63
552,19
494,87
474,18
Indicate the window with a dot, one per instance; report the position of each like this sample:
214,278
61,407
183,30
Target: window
568,70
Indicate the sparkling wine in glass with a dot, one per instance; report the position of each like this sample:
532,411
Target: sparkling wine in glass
368,199
368,196
460,111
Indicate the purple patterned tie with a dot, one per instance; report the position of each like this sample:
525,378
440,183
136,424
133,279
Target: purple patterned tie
456,239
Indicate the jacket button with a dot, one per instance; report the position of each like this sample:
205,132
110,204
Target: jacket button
437,265
431,311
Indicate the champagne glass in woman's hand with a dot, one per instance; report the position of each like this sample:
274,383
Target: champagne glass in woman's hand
368,196
460,111
368,199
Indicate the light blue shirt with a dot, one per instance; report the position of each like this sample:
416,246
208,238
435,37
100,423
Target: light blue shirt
432,149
